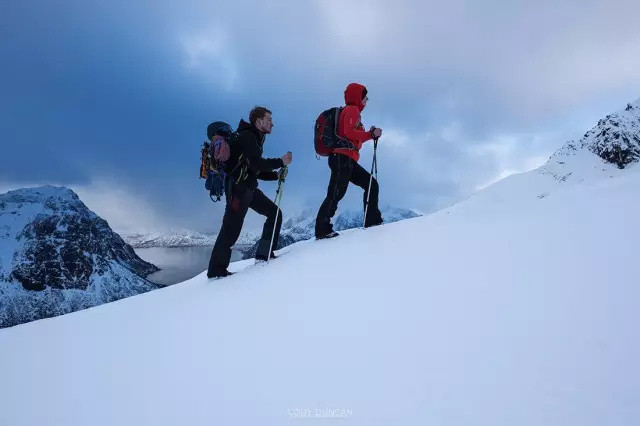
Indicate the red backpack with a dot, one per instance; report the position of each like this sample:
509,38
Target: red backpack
326,138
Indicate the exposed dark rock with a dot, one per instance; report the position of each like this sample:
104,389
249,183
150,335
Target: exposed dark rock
615,139
59,245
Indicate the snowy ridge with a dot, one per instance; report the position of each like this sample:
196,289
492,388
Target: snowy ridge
57,256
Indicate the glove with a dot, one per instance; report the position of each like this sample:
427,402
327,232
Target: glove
282,173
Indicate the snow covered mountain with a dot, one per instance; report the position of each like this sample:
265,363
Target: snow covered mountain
604,152
182,238
169,239
519,308
301,226
615,140
57,256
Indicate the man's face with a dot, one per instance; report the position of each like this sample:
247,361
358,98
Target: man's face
364,101
265,124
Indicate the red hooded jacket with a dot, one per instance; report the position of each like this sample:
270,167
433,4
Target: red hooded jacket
349,125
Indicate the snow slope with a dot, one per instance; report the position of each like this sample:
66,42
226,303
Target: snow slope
518,306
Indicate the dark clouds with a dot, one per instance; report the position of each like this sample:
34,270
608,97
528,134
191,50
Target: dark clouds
119,93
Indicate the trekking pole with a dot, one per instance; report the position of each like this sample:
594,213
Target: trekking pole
374,166
277,199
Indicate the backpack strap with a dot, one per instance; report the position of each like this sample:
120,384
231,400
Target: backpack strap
243,169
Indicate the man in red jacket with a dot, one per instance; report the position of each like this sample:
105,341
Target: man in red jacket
344,164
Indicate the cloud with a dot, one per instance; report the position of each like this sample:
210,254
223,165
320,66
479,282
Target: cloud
208,53
435,167
125,210
465,91
351,23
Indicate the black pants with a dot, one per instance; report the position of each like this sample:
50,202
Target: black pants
240,199
343,171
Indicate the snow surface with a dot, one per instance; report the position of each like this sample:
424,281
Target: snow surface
518,306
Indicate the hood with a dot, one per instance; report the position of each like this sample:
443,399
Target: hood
243,125
354,94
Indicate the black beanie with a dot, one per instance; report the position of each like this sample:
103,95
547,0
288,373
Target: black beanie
364,92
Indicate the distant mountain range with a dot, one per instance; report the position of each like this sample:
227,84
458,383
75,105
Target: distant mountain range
180,238
301,226
296,228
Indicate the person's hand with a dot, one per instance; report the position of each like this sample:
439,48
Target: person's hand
282,173
376,132
287,158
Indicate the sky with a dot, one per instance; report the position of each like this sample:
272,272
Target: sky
112,99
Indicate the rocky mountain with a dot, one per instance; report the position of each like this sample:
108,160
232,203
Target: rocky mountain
301,226
615,141
57,256
616,138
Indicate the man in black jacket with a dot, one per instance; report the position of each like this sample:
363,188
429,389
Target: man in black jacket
243,192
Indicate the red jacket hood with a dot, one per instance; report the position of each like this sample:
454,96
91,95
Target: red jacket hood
353,95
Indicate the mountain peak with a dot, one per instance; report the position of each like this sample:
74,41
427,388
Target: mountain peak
42,192
58,256
53,198
615,139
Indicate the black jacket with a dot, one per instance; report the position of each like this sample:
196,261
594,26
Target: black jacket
249,142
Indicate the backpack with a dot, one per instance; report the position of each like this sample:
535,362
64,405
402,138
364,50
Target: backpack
211,171
216,159
326,138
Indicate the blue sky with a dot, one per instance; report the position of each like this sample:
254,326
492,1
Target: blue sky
113,98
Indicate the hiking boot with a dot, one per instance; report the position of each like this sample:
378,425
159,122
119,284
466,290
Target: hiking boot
219,273
331,234
261,258
370,225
